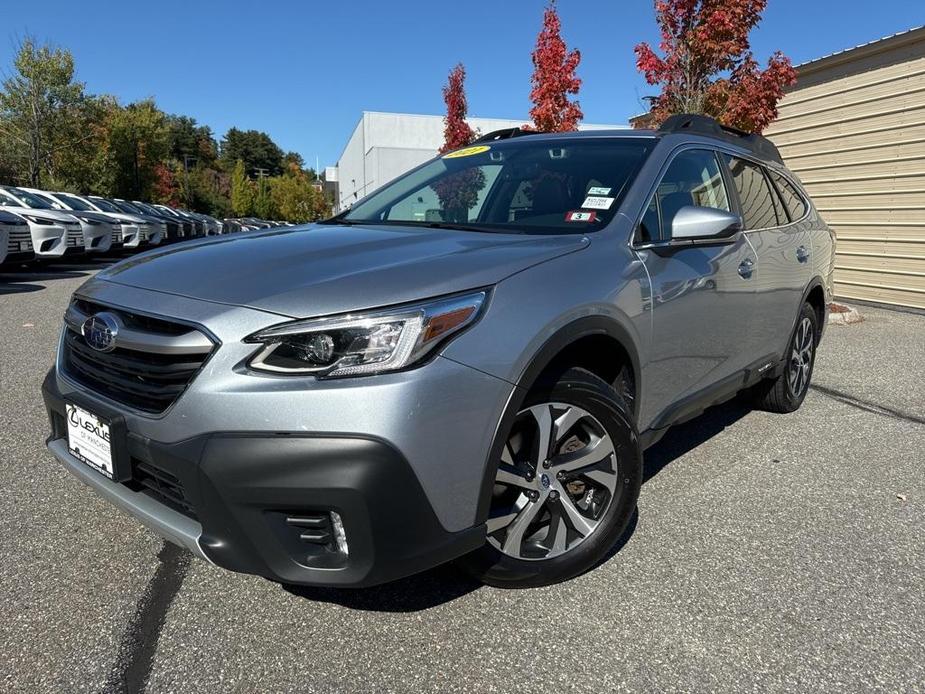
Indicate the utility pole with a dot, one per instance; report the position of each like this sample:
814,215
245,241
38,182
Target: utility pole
186,189
261,173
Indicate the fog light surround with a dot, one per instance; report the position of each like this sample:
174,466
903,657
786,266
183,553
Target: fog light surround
340,535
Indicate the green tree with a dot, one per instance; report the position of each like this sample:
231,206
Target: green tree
35,103
138,142
264,205
190,143
242,192
82,166
296,198
255,149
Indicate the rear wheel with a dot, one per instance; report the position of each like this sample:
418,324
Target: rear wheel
786,392
566,485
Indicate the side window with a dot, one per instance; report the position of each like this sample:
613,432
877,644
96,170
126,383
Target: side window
758,207
693,179
793,201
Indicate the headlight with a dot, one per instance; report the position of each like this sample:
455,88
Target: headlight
39,220
91,222
364,343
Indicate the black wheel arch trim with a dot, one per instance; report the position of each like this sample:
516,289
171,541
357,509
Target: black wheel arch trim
543,357
815,282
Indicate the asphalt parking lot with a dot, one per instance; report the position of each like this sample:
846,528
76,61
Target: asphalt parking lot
770,553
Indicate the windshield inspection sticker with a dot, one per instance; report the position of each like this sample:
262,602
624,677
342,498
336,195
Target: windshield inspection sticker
580,216
598,191
467,152
593,202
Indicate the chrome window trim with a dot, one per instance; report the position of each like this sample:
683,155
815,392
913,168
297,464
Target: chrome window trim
732,151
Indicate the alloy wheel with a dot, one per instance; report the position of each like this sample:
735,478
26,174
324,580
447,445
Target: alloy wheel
556,480
801,358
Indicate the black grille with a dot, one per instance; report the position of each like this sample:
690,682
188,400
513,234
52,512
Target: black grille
117,234
147,381
161,485
18,236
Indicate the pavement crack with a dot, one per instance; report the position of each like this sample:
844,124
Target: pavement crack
871,407
130,672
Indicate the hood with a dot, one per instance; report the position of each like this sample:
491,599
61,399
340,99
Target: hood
10,218
319,270
95,216
54,215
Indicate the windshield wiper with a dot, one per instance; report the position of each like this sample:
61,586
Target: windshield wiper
462,227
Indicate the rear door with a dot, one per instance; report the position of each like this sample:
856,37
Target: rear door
783,248
702,293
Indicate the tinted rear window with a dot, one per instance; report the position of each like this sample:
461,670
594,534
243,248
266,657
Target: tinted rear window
755,195
793,201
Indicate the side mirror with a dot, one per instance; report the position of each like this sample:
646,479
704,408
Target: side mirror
701,223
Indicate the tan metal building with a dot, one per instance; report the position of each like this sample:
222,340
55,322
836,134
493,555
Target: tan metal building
853,130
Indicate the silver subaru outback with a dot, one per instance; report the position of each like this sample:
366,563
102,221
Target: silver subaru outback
467,365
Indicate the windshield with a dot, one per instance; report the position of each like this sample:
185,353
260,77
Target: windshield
562,186
74,203
147,209
104,205
28,199
126,207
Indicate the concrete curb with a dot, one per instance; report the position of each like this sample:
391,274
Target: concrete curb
842,314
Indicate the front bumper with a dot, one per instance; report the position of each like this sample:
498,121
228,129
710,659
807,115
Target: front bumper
236,491
97,238
48,240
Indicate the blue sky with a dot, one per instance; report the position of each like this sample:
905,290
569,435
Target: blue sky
304,71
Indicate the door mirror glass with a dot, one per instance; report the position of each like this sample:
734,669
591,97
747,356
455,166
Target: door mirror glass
692,223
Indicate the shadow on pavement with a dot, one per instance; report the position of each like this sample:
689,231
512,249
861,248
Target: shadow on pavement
413,594
14,279
683,438
448,582
18,288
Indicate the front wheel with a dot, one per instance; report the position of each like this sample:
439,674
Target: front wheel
565,488
786,392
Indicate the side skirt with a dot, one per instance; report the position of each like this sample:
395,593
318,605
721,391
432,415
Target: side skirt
695,404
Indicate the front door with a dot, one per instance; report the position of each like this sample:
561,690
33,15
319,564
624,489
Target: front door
703,296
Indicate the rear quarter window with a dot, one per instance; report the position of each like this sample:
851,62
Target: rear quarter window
793,201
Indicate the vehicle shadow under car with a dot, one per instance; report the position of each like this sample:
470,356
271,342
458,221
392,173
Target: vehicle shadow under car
20,279
448,582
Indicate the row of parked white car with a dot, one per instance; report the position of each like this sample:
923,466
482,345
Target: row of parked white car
44,225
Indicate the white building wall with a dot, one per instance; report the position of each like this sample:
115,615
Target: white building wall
385,145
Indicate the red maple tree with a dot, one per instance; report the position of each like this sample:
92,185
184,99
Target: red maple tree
165,189
554,78
707,65
456,131
458,192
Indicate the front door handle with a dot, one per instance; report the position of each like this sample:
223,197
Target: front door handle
746,267
802,254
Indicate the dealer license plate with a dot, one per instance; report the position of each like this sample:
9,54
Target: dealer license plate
88,439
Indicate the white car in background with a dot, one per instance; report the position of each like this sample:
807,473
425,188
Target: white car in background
126,236
52,231
15,239
149,231
97,228
133,226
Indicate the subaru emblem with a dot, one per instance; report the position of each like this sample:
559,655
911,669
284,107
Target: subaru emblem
100,331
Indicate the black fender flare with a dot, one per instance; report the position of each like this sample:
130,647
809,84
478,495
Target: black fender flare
543,357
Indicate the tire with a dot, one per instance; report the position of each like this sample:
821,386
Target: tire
786,392
554,516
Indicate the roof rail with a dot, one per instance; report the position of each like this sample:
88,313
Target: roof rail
704,125
506,134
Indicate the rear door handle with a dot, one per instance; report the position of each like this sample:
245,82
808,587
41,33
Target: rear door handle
746,267
802,254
